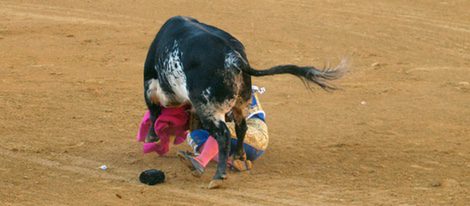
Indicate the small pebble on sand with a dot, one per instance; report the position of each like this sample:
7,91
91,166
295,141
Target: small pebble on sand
103,167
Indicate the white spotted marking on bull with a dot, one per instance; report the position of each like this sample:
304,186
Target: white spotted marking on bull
173,69
155,90
232,60
206,93
232,74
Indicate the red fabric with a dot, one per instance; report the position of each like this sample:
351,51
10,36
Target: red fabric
171,122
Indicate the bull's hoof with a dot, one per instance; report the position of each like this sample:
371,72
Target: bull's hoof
214,184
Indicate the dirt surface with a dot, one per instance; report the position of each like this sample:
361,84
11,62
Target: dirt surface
398,133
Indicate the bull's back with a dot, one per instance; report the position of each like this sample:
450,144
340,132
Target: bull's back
190,58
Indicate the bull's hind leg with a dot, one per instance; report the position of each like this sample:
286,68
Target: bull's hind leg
239,161
240,130
239,114
216,126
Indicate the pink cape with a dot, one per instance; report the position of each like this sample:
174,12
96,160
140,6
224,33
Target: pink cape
171,122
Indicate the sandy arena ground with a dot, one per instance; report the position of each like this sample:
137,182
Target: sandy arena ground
71,100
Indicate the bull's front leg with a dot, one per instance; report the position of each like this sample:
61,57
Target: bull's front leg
152,135
154,108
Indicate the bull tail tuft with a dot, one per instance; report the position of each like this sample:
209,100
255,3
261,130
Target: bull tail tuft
308,74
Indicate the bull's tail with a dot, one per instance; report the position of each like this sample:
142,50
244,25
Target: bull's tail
307,74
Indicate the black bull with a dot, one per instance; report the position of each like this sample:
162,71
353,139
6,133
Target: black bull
190,62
